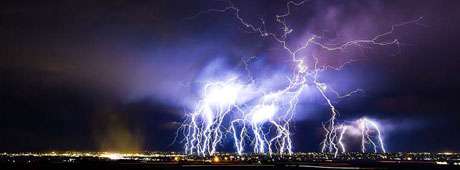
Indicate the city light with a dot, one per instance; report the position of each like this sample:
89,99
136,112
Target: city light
112,156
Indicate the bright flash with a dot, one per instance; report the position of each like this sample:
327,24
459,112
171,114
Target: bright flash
221,94
263,113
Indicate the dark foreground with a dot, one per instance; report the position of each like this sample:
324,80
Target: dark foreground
223,161
121,165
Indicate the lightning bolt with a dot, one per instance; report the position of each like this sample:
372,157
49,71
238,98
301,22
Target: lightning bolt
366,128
366,125
204,132
265,125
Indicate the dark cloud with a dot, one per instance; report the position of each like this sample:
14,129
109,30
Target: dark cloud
84,75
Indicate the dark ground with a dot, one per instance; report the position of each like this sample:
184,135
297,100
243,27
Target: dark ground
57,163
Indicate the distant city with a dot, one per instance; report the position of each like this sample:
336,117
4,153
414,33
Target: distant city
176,159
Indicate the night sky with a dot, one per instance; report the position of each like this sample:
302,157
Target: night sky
120,75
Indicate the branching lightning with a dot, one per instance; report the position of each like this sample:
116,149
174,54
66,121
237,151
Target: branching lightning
204,131
370,134
366,126
264,125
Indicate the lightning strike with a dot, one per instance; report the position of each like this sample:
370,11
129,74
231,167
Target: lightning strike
370,134
265,125
367,126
